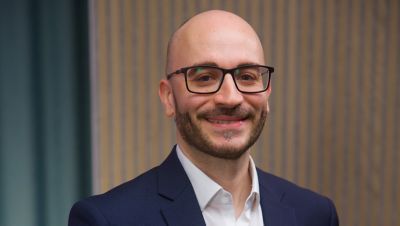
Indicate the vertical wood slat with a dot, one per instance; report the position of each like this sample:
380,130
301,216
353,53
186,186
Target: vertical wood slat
155,78
326,141
339,89
140,81
279,89
352,120
332,125
314,118
378,108
291,88
103,97
167,125
115,94
366,87
266,35
392,93
302,67
128,81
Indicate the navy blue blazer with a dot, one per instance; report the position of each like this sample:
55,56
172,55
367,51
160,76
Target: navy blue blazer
165,196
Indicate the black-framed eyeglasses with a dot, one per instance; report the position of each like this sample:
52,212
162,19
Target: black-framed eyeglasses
204,79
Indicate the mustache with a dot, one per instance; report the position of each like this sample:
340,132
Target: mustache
239,112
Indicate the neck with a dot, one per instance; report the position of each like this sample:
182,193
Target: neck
231,174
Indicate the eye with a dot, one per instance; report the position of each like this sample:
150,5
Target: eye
247,77
203,77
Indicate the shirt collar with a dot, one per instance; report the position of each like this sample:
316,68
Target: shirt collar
204,187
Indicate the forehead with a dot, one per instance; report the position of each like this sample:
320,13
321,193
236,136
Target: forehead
225,45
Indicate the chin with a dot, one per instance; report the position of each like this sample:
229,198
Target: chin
231,151
225,154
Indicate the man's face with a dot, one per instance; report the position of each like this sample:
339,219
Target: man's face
227,123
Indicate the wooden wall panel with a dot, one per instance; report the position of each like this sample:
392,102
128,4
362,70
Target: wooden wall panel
334,123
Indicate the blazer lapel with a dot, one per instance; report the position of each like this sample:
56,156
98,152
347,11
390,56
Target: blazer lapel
274,212
174,185
184,212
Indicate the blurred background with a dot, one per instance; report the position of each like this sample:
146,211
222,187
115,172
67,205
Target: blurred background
79,110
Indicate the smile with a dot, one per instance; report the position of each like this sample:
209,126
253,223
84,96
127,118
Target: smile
226,121
222,122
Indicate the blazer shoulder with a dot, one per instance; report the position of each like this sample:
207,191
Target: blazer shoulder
135,199
283,188
308,205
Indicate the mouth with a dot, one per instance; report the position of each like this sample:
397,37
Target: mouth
225,121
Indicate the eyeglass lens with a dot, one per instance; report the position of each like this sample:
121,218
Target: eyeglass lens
208,79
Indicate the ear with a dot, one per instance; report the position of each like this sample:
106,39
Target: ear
269,90
167,97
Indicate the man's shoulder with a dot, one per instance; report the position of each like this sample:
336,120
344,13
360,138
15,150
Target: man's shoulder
138,196
276,182
138,189
307,205
290,193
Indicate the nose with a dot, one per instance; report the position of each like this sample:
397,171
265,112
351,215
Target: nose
228,94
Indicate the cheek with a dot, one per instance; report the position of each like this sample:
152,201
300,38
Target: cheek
188,102
259,103
179,95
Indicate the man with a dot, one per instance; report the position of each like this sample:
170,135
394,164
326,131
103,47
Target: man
217,89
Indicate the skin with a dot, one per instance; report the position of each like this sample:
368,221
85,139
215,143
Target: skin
215,131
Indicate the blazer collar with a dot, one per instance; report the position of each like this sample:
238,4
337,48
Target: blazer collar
275,213
174,185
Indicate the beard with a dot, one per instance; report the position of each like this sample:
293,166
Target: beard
191,132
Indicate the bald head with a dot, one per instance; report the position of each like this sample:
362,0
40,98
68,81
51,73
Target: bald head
210,36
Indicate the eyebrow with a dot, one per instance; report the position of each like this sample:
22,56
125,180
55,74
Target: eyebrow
210,63
207,63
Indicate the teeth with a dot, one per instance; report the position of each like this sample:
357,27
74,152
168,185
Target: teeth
222,121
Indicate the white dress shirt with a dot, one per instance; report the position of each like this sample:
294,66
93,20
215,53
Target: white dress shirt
216,203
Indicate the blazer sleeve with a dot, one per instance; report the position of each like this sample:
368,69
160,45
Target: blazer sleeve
334,220
83,213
